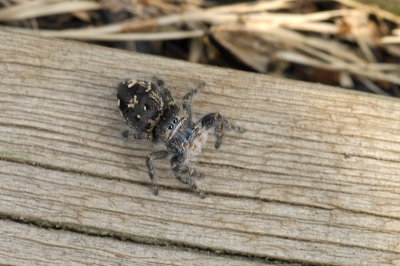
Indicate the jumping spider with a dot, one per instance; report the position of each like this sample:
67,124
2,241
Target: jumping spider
150,110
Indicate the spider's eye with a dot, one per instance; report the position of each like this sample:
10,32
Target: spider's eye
175,120
170,126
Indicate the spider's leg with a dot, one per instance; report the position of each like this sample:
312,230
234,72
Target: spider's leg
139,135
167,94
188,181
149,162
178,166
187,100
216,120
184,173
228,125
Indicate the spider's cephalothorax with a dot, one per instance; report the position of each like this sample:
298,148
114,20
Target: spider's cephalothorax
150,110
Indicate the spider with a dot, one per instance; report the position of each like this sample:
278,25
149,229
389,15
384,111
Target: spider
150,110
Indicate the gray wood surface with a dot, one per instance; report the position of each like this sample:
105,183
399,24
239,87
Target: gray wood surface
315,179
32,245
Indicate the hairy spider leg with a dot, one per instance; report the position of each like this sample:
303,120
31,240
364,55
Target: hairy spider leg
230,126
214,119
150,166
179,169
188,181
167,94
140,135
187,100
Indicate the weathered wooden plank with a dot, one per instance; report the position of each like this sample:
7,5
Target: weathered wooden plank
314,179
234,225
24,243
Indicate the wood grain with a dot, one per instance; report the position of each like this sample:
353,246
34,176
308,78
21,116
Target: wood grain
315,179
58,247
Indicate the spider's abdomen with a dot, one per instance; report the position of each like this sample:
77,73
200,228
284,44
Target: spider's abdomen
141,103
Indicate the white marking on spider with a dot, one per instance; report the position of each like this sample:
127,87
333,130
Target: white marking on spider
131,83
148,87
133,102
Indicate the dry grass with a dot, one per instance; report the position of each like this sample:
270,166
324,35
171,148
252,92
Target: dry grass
356,43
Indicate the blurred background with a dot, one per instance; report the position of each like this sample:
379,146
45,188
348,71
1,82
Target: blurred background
346,43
